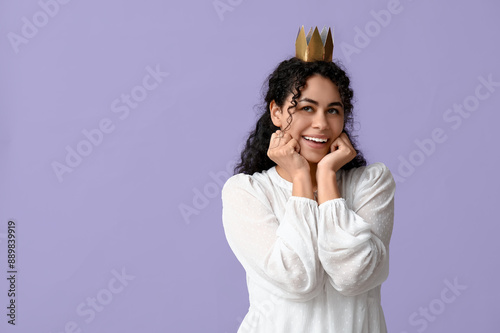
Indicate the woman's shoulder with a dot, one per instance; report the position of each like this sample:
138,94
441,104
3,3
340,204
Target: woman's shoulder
237,180
255,183
375,174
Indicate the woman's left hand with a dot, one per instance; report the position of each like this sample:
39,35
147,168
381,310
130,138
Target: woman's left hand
341,153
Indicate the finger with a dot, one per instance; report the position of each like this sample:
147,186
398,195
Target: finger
287,137
294,144
281,135
283,138
279,139
297,146
346,146
274,141
335,144
346,142
334,147
343,139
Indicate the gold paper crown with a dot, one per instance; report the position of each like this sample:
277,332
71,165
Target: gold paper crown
315,46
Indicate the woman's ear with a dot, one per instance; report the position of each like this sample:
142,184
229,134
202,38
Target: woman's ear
276,113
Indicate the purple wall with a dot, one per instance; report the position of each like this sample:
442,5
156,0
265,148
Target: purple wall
117,116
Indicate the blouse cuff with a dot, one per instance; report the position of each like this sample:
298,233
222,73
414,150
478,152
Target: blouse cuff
332,201
304,200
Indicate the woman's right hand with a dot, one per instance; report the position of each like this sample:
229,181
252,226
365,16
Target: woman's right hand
284,151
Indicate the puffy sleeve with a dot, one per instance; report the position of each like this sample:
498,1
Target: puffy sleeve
280,256
353,240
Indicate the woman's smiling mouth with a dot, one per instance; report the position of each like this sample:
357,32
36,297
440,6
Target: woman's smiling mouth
317,142
321,140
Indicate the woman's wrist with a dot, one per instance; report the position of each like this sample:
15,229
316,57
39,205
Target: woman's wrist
302,185
327,185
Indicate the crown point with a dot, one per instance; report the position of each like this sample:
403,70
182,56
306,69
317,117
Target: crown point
329,46
314,46
301,45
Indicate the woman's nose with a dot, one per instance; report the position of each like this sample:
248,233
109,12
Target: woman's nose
319,120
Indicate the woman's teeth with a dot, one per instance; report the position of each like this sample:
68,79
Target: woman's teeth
315,139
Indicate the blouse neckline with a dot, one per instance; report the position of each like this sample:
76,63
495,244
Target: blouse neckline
273,173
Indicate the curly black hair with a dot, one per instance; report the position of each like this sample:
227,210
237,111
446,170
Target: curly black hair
290,77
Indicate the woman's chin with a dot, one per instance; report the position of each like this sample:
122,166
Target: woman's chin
314,158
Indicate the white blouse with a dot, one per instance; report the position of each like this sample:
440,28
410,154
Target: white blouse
312,268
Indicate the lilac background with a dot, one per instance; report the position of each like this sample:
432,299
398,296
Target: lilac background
120,208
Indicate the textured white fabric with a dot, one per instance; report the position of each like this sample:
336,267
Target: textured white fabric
312,268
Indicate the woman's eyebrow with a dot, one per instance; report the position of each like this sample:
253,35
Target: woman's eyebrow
305,99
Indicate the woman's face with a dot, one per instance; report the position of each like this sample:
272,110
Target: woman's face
319,114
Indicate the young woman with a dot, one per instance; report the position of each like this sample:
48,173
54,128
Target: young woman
305,215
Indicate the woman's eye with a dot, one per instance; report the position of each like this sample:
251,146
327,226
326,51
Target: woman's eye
307,108
333,111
